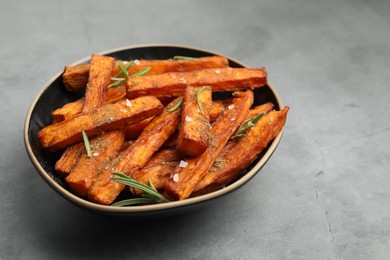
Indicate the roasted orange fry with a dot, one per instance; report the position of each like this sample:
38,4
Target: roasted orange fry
69,159
73,108
133,131
216,110
226,168
195,123
76,77
68,110
109,117
104,190
174,83
98,81
158,169
103,148
182,182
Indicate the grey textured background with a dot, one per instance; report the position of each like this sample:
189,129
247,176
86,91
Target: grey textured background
323,195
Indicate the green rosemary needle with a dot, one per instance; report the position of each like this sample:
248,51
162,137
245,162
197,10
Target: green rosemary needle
150,194
176,106
184,58
86,143
241,132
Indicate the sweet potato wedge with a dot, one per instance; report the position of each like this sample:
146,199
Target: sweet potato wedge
158,169
98,81
134,131
76,107
195,125
104,148
68,110
174,83
109,117
76,77
69,159
185,178
104,190
227,168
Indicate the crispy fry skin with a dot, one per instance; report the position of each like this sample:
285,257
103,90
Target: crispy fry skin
104,148
227,168
109,117
158,169
104,190
73,108
216,110
182,182
195,123
174,83
68,110
69,159
99,79
133,131
76,77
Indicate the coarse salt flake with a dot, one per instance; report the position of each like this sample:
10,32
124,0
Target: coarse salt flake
188,119
176,177
182,79
137,62
233,118
128,103
95,154
231,106
183,164
217,71
125,62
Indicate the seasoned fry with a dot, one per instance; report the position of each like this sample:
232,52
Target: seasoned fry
68,110
133,131
69,159
76,77
99,79
109,117
104,190
104,148
158,169
221,79
195,123
73,108
216,110
226,168
182,182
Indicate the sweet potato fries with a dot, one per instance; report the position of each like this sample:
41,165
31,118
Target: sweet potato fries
162,128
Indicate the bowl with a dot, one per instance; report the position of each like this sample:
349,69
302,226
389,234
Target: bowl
54,95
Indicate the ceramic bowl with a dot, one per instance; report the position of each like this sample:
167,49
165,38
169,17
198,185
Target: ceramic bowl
54,95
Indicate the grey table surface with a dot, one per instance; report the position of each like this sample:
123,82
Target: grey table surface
323,195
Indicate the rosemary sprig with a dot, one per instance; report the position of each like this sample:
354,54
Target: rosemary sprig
124,71
86,143
183,58
241,132
197,98
150,193
176,106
